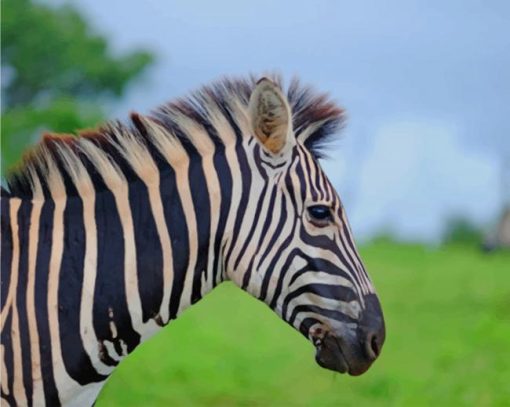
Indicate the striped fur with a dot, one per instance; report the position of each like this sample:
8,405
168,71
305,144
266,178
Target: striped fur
108,236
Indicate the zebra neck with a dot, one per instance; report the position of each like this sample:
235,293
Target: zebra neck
108,270
156,257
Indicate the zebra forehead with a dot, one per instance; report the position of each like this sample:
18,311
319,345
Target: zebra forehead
315,119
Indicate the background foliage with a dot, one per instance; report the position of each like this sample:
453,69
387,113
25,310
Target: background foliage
57,73
459,230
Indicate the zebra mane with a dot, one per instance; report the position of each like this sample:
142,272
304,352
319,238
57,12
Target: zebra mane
59,159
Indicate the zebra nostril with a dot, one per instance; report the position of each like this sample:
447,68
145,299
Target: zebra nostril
372,346
372,331
375,345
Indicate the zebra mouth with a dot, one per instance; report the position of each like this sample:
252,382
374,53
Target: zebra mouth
342,355
329,354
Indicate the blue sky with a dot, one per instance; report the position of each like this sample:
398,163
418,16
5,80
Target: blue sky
426,86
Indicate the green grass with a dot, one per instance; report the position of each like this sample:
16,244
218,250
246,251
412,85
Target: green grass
448,343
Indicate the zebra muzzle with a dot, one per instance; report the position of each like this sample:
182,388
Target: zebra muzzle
352,353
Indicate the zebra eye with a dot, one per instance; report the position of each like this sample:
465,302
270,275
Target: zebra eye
320,214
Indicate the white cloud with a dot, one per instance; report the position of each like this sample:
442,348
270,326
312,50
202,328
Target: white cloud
416,175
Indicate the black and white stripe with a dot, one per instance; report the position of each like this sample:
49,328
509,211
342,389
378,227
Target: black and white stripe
108,236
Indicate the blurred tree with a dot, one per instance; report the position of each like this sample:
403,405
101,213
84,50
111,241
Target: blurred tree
54,71
461,231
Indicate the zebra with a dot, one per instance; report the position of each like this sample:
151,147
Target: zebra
109,235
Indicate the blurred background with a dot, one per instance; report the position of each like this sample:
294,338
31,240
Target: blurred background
423,168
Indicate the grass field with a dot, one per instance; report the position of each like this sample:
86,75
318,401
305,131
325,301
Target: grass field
448,343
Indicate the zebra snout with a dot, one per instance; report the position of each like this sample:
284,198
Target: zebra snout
354,352
372,331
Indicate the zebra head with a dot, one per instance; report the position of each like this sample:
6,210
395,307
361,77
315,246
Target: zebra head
298,255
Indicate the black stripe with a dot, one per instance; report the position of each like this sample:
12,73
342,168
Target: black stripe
350,243
249,237
225,180
318,175
329,190
6,252
325,242
263,159
41,302
306,176
318,264
271,213
325,312
331,291
21,298
149,254
279,286
285,244
178,231
339,242
6,262
76,360
312,264
301,176
110,290
251,265
202,207
245,196
258,161
273,165
8,359
277,233
291,190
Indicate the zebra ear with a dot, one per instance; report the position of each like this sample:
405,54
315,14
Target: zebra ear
270,116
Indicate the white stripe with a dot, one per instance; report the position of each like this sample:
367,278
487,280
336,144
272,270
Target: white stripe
351,309
18,385
38,390
166,248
